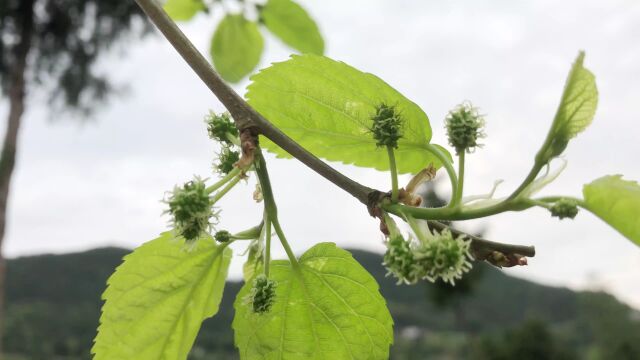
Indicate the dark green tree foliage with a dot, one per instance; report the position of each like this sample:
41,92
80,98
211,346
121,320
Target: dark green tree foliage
601,320
54,317
531,341
54,45
67,37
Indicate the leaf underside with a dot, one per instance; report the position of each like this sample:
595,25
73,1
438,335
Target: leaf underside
326,106
156,300
617,202
579,101
183,10
328,309
236,47
293,25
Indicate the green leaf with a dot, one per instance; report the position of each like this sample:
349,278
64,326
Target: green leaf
326,106
236,47
157,299
291,23
577,108
328,308
617,202
182,10
255,260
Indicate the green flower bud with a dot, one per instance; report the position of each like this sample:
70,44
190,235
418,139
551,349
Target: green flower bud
262,294
443,257
226,160
222,236
464,127
387,126
221,127
399,260
564,208
191,209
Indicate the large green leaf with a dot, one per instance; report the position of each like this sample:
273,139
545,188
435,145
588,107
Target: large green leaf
291,23
329,308
236,47
183,10
617,202
157,299
326,106
577,107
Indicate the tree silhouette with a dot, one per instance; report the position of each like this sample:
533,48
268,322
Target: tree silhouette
54,44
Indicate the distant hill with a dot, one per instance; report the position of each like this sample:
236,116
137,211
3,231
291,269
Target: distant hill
53,305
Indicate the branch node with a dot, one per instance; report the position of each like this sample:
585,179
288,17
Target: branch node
248,144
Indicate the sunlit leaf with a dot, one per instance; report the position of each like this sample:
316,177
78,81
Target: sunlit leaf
291,23
617,202
236,47
577,107
183,10
329,308
157,299
326,106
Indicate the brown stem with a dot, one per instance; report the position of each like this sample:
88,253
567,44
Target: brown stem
17,89
246,117
482,249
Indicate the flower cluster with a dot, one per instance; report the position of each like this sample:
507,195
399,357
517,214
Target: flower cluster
564,208
221,128
387,126
464,127
438,256
262,294
227,160
222,236
444,257
191,209
399,260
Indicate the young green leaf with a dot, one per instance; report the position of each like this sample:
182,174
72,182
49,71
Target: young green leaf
255,261
157,299
327,107
328,308
183,10
291,23
236,47
617,202
576,110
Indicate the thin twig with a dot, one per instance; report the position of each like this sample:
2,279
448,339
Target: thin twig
481,249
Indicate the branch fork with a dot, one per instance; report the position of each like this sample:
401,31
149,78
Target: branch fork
251,124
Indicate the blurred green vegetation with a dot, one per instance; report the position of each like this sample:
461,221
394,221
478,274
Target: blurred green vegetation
53,305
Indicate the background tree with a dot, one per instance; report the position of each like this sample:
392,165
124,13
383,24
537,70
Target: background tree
531,340
54,44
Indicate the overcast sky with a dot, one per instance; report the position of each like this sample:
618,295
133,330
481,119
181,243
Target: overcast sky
80,186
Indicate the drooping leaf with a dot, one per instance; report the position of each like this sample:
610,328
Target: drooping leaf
326,106
157,299
329,308
255,260
291,23
617,202
183,10
236,47
577,107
